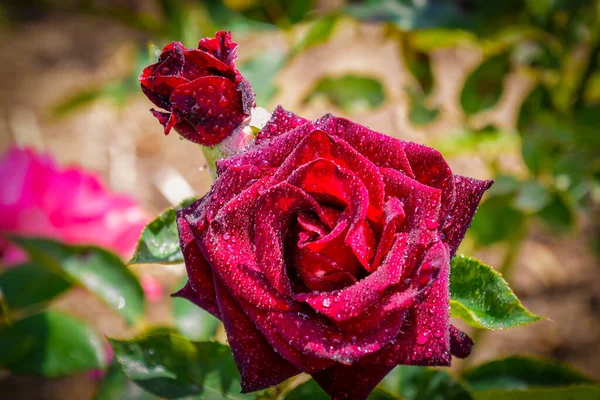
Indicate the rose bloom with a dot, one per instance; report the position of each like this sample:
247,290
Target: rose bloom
325,249
205,95
39,198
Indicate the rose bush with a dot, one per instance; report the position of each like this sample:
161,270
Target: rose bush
39,198
205,95
325,249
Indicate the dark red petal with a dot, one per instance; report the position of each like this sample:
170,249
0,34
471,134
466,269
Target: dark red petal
318,144
382,150
271,154
425,338
281,121
259,365
211,104
294,356
351,382
159,100
314,336
421,203
230,249
200,288
354,300
460,343
393,214
209,63
431,169
221,47
323,179
458,218
275,209
164,118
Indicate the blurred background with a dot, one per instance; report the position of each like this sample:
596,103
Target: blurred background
508,90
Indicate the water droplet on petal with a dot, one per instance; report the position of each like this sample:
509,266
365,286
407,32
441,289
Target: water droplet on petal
223,102
326,303
431,224
422,338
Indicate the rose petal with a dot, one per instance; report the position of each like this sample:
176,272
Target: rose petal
315,336
211,104
382,150
431,169
393,213
354,300
298,358
200,287
271,154
281,121
425,338
275,209
351,381
259,365
318,144
324,179
468,194
221,47
228,246
460,343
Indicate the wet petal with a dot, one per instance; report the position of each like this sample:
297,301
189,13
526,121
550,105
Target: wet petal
259,365
221,47
382,150
458,218
200,287
229,247
281,121
353,382
460,343
212,105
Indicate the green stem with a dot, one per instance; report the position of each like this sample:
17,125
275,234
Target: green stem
211,155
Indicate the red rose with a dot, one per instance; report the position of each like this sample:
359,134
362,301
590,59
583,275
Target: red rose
325,249
206,96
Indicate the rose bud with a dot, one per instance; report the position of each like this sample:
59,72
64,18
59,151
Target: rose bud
325,248
205,96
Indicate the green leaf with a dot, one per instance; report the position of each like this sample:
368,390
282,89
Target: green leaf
99,271
261,72
420,113
496,220
582,392
559,214
116,385
522,373
319,32
169,365
308,390
416,383
76,102
191,321
482,298
418,63
489,143
351,93
408,15
29,285
159,241
50,344
485,84
531,197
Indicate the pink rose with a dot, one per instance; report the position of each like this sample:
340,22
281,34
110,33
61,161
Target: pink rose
39,198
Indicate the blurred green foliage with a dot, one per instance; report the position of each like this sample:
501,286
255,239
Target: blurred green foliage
554,44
